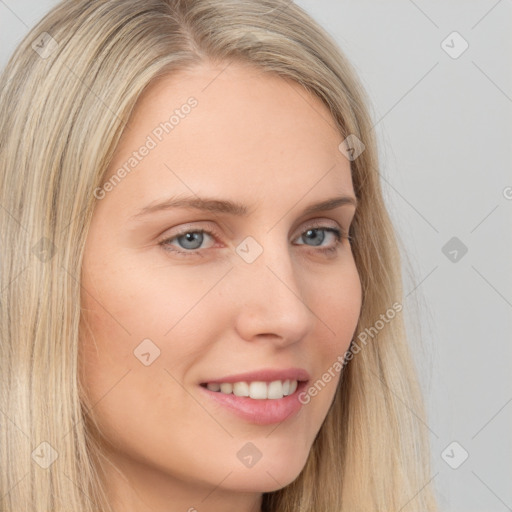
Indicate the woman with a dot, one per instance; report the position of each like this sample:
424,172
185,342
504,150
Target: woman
170,339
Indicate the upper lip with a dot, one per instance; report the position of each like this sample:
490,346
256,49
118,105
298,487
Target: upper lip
264,375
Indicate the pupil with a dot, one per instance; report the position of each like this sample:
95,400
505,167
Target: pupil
192,237
315,231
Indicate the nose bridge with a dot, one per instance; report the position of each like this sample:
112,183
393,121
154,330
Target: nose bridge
271,297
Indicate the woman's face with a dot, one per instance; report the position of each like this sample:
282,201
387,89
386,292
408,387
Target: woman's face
265,290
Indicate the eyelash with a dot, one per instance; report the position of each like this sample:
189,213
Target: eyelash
339,234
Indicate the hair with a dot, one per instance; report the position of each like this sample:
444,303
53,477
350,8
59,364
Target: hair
67,94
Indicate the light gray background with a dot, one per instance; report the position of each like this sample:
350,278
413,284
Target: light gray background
445,134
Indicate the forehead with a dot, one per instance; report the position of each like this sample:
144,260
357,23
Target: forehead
248,130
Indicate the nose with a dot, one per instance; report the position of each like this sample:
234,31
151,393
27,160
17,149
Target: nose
271,299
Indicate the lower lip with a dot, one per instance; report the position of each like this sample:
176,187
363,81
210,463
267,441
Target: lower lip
260,412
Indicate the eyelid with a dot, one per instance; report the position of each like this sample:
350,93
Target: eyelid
190,227
323,223
209,226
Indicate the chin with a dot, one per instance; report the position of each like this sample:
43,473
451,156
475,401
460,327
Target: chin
271,473
261,481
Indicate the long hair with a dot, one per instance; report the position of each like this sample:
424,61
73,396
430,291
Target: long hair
67,94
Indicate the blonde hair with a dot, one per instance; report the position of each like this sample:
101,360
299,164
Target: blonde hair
66,96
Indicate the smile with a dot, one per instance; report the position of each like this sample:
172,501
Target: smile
256,390
257,402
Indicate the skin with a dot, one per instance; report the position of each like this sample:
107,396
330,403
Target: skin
265,142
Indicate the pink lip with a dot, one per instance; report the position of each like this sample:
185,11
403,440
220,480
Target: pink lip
264,375
265,411
259,412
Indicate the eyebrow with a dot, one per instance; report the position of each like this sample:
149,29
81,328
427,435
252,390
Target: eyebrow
214,205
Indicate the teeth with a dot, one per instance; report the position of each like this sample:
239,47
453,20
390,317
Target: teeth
275,389
257,390
241,389
226,388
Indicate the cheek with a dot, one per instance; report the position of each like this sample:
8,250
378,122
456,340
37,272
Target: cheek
125,302
127,395
130,310
337,304
114,320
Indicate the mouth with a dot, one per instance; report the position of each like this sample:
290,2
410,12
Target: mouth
261,402
256,390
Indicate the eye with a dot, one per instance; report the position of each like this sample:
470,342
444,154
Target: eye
317,234
312,235
190,240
